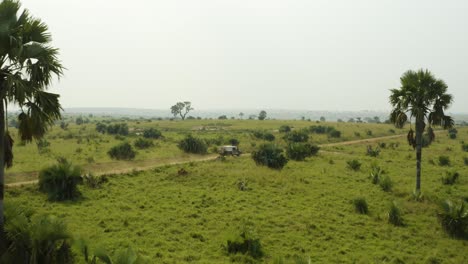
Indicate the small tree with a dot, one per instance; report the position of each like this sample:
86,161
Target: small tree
241,115
297,136
262,115
301,151
181,109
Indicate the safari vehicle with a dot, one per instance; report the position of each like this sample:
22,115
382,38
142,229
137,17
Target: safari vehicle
229,150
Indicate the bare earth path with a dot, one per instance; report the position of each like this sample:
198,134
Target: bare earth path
120,167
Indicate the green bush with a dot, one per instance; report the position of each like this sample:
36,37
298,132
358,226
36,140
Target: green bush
450,177
152,133
284,129
360,205
465,147
354,165
269,155
453,133
334,134
444,161
192,144
376,174
143,143
301,151
123,151
372,152
264,135
321,129
245,242
369,132
117,129
296,136
35,238
465,160
60,181
386,183
394,215
454,218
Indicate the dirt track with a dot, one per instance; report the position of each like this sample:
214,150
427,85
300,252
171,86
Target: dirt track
103,168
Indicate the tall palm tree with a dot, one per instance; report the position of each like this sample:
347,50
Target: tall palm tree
424,98
27,65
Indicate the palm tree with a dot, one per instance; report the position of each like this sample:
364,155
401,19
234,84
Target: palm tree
27,65
424,98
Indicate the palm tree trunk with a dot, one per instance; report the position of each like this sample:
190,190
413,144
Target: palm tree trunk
419,134
2,174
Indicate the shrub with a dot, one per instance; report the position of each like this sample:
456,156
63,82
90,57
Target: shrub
360,205
444,161
386,183
354,165
35,238
321,129
450,177
301,151
284,129
297,136
334,134
465,160
372,152
465,147
264,135
269,155
453,133
454,218
101,128
369,132
192,144
152,133
93,181
123,151
234,142
43,145
60,181
117,129
394,215
143,143
376,174
245,242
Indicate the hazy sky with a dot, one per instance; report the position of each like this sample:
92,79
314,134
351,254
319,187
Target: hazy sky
289,54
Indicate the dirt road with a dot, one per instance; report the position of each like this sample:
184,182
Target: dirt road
129,166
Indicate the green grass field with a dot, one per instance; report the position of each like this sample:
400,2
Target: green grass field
304,210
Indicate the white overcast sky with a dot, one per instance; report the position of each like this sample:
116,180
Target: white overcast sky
220,54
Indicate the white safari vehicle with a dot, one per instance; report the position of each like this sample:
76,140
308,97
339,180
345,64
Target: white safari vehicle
229,150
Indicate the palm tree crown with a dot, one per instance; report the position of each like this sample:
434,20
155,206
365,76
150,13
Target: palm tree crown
422,96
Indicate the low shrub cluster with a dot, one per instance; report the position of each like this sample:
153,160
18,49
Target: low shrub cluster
152,133
450,177
296,136
444,161
270,155
395,215
113,129
264,135
360,204
454,218
123,151
465,147
284,129
372,152
194,145
94,182
331,131
301,151
60,181
245,242
354,164
143,143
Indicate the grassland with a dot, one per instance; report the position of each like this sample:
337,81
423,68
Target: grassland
303,210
